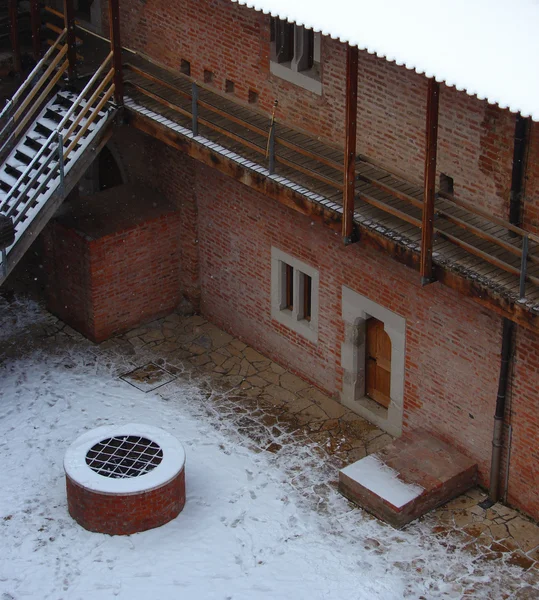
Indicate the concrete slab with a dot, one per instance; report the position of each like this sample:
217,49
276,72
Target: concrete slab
407,478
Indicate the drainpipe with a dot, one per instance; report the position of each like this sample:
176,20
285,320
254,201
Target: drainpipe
497,436
515,214
517,175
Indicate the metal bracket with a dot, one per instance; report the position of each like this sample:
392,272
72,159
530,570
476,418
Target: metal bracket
352,239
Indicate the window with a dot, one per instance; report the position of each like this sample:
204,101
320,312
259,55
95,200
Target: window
295,54
294,300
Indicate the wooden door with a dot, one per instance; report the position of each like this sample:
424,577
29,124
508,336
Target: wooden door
378,359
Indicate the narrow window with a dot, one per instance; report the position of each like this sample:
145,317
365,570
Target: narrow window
284,40
185,67
289,287
208,76
307,297
446,184
253,97
229,86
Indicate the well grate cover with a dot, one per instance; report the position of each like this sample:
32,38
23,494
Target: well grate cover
123,457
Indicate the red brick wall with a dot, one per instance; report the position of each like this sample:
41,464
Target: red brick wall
111,284
170,173
126,514
67,262
475,139
452,344
524,418
531,183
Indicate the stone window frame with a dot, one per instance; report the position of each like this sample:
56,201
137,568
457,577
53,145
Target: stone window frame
296,71
356,309
294,319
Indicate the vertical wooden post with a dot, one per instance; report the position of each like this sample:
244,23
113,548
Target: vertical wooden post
352,54
14,34
69,17
116,47
35,19
433,98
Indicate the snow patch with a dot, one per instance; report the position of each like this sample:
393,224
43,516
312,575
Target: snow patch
376,476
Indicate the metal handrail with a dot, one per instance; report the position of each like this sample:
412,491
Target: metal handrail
22,188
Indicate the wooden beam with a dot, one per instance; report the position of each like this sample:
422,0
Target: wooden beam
116,47
433,98
35,19
14,35
257,181
69,18
352,55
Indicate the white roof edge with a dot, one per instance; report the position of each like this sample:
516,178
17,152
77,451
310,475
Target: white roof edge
487,48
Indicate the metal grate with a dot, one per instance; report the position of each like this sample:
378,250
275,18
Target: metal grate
124,456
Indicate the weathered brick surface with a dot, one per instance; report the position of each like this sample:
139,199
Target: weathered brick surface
108,285
231,41
125,514
452,344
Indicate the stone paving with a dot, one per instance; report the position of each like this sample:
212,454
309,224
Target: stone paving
274,411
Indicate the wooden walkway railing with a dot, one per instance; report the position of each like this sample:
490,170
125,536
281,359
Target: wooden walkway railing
466,237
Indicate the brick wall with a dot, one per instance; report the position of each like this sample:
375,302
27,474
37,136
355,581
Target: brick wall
231,41
524,418
452,344
146,160
113,283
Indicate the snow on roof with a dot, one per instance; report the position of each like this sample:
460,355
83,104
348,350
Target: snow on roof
489,48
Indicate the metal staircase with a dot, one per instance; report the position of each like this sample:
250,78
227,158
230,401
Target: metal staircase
50,135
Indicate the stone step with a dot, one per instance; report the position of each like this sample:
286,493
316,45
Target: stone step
408,478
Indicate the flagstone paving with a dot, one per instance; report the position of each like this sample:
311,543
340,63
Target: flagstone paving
275,411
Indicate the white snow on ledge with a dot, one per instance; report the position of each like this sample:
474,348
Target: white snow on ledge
488,48
376,476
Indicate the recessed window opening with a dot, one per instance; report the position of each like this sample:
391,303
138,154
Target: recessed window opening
307,296
253,97
295,54
294,294
289,287
446,184
185,67
208,76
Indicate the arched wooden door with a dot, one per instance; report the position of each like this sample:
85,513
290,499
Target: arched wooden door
378,359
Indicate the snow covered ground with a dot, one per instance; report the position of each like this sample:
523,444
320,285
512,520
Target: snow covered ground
246,533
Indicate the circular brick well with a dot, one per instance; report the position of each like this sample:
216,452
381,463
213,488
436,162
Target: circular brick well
122,480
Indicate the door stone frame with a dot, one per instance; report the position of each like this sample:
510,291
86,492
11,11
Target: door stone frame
356,309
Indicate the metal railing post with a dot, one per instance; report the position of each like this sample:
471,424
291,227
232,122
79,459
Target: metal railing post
523,267
61,159
271,149
194,108
4,263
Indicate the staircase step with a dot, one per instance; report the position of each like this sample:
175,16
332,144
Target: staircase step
51,115
22,157
43,130
408,478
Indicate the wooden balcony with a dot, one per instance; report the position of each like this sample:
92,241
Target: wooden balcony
475,253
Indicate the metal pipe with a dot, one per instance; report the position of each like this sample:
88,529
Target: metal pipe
517,174
497,436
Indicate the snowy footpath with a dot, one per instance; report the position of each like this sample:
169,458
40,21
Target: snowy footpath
246,533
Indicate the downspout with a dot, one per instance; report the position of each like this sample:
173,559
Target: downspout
515,215
517,175
497,436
